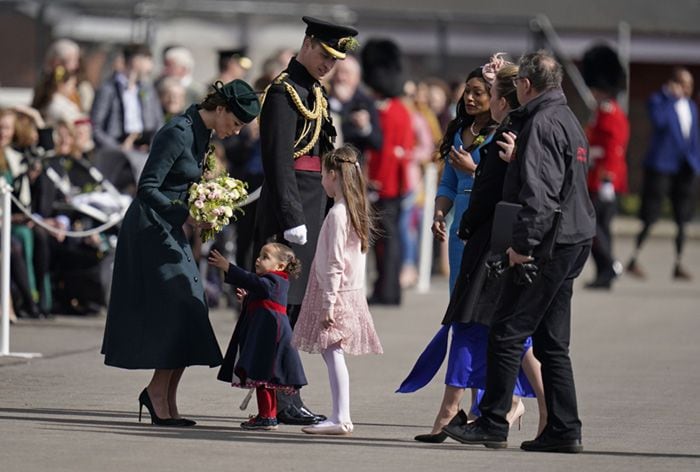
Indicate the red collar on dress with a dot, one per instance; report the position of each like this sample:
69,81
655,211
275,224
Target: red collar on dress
280,273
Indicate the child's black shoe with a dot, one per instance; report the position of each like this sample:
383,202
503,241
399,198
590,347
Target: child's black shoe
260,424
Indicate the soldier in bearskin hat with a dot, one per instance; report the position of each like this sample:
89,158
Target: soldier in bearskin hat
608,134
387,166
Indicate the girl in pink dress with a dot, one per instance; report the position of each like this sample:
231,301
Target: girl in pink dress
334,319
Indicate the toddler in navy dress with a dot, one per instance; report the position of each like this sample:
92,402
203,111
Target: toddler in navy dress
260,354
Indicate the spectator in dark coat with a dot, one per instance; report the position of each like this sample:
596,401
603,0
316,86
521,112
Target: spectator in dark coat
126,112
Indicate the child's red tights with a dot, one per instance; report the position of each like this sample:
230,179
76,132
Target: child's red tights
267,402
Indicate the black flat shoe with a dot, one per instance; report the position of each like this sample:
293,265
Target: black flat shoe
145,400
431,438
546,443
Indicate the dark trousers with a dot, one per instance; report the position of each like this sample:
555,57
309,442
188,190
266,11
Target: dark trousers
387,249
285,399
601,251
543,311
245,223
680,188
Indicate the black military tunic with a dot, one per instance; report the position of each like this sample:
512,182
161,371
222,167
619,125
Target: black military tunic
292,197
158,315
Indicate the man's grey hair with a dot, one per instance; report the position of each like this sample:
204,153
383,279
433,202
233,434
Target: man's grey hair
542,69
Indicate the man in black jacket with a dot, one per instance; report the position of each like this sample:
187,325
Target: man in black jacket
295,131
547,177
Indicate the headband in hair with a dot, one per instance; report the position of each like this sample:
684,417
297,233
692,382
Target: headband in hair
348,161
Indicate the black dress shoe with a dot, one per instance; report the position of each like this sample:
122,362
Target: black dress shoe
473,433
293,415
306,411
546,443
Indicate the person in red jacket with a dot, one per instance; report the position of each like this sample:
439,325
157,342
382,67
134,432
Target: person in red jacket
608,135
388,166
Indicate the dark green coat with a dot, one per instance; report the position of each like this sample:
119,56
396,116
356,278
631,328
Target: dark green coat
158,315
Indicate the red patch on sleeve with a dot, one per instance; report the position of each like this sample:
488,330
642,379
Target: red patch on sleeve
581,154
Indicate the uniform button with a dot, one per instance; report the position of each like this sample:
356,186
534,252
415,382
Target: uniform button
196,279
188,258
199,164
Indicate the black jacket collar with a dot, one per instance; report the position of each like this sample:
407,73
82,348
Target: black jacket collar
549,98
298,73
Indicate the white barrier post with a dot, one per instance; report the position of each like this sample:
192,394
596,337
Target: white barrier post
6,192
425,262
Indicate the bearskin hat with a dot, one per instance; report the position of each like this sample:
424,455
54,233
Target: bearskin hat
382,67
602,69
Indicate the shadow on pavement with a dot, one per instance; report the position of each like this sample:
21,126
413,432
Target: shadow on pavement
60,419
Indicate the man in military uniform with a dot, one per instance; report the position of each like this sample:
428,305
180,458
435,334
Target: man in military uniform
608,135
295,131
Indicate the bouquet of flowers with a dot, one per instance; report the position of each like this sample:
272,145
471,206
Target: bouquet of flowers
216,198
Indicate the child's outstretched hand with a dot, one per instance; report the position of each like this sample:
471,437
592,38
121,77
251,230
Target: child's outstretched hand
217,260
328,320
241,294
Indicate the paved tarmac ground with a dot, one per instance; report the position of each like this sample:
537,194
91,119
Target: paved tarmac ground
635,353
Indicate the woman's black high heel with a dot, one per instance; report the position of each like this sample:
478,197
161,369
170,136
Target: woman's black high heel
459,419
145,400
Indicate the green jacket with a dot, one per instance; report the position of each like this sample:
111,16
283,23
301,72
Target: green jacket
158,314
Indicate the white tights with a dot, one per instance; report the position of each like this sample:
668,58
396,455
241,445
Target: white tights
339,378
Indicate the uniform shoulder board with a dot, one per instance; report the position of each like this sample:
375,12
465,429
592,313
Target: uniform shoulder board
280,78
278,84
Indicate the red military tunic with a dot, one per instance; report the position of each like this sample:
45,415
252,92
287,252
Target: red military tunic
608,135
386,166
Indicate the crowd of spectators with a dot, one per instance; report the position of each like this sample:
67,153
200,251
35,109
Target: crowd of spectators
73,158
74,154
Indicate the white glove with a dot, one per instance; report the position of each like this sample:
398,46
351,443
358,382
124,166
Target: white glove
606,191
296,235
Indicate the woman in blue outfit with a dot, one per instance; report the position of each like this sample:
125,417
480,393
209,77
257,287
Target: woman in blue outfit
158,315
473,296
460,147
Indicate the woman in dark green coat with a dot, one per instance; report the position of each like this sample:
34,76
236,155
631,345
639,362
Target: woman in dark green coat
158,315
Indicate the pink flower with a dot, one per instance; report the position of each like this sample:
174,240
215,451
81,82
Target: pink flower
199,204
491,68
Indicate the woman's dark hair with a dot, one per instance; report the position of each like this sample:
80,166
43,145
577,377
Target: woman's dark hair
212,100
47,86
463,119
